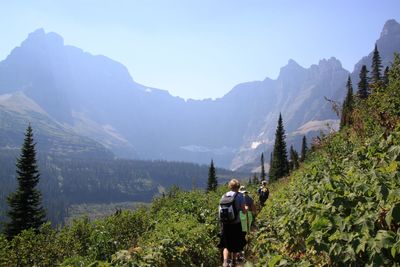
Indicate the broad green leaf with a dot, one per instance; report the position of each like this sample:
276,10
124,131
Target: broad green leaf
320,223
275,259
385,239
393,216
384,192
393,251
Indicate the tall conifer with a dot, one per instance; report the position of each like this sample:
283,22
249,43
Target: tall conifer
304,148
256,181
347,107
270,164
263,175
385,78
26,209
376,67
280,166
212,181
294,159
363,85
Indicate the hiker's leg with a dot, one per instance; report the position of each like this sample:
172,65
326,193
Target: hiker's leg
227,261
225,254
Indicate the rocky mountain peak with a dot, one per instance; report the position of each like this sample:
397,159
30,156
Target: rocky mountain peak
391,27
332,62
40,38
290,68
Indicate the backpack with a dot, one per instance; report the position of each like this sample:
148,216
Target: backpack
227,210
263,193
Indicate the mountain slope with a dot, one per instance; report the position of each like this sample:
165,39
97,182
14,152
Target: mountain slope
97,98
53,138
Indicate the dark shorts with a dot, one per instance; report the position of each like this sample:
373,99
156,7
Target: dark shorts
232,237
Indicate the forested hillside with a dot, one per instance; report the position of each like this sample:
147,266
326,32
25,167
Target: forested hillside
66,181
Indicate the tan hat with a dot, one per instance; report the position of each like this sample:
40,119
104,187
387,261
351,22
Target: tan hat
242,189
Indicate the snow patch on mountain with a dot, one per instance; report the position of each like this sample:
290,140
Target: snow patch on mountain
202,149
256,144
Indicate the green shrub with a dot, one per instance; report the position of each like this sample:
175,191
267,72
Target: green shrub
343,207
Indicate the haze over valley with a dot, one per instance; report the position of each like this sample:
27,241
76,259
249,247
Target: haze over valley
82,104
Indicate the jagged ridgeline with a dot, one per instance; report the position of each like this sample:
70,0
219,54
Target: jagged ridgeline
93,100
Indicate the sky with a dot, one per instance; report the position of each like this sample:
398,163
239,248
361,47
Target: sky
202,49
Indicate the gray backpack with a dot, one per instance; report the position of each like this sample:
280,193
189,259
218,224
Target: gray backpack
227,210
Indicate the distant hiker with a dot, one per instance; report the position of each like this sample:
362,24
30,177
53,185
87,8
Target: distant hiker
232,238
263,193
247,218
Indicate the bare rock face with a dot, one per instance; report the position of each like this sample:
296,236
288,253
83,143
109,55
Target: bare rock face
95,97
388,43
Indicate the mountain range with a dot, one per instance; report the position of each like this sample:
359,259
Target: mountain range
84,105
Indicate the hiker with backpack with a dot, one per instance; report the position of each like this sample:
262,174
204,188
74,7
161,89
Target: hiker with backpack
246,219
263,193
232,238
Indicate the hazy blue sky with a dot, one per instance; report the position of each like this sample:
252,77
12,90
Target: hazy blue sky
201,49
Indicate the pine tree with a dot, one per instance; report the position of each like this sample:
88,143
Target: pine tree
212,181
280,165
26,210
385,78
363,86
255,179
294,159
376,67
270,164
347,108
304,149
263,175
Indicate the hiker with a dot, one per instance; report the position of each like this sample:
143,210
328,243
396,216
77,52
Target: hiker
248,202
263,193
232,238
247,218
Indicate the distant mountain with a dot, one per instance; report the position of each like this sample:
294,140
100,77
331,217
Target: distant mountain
95,98
298,94
17,111
388,43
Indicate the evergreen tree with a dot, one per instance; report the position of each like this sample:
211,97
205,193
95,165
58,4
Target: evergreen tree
347,108
280,165
26,210
376,67
385,78
304,149
255,179
263,175
294,159
212,181
270,163
363,85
